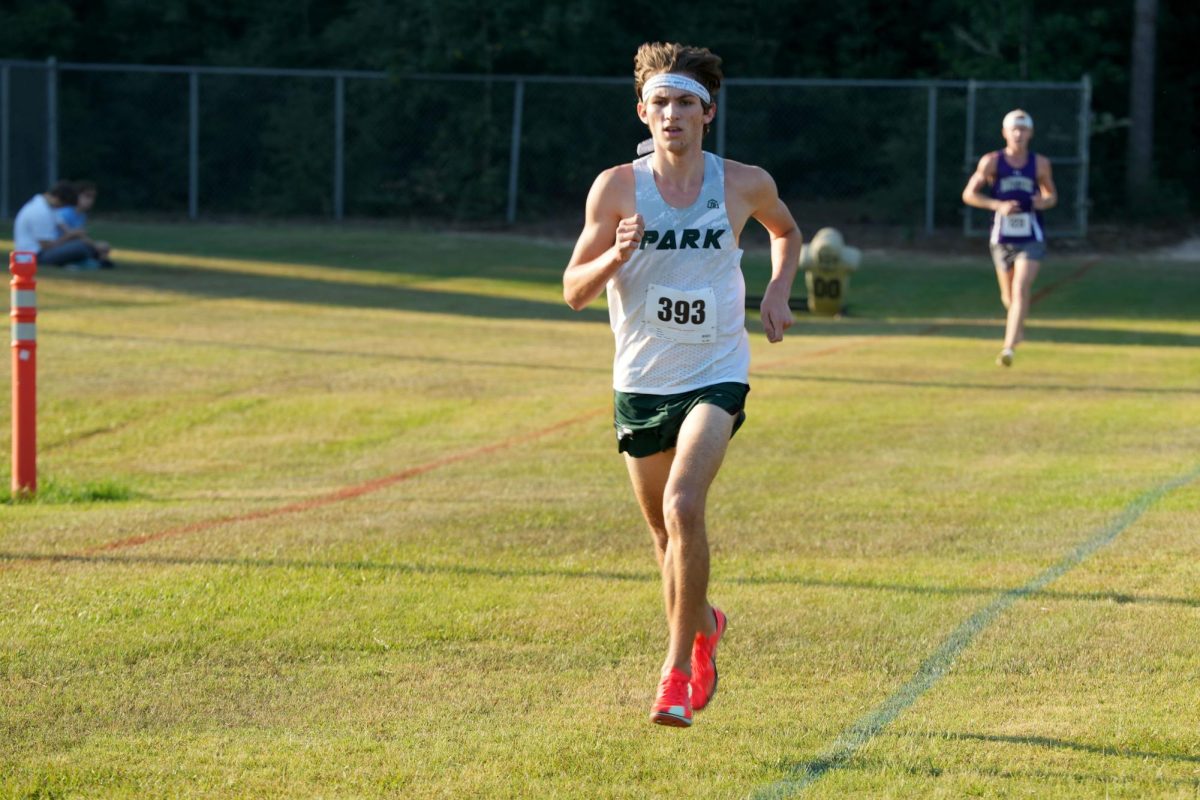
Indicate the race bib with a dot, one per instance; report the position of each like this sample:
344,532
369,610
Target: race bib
681,316
1019,225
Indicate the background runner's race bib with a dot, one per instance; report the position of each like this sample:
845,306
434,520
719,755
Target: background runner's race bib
1016,225
678,315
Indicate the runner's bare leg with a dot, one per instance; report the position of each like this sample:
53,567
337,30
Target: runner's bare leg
1025,270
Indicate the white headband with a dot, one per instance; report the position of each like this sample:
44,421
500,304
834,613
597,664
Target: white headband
673,80
1017,119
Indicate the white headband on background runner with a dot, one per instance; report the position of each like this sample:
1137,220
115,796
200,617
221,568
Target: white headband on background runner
1017,119
673,80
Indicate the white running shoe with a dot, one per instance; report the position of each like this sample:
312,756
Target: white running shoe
1005,358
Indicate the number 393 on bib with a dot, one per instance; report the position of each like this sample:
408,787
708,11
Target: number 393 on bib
679,315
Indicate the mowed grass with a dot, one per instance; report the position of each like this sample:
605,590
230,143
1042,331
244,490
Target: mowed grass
337,513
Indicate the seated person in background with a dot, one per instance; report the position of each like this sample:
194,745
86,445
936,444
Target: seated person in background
36,229
74,218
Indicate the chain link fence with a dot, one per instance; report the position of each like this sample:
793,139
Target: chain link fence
504,149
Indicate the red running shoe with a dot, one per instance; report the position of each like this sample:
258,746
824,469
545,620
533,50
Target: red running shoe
704,662
673,706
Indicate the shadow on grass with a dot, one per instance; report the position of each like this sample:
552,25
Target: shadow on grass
649,576
1063,291
53,492
230,284
900,296
987,387
559,367
802,774
1063,334
844,754
222,285
991,328
369,355
348,247
1064,744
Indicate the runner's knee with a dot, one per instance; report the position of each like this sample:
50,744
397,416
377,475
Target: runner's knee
683,512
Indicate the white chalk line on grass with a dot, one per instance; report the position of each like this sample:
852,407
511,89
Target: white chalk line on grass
851,740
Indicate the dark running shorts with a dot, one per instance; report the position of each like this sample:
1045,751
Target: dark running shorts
649,423
1004,256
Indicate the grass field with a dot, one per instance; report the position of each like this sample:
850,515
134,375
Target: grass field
337,513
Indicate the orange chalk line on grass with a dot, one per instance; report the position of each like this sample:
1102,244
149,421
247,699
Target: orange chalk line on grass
1084,269
347,493
358,490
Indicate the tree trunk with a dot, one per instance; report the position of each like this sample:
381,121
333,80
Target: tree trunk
1140,170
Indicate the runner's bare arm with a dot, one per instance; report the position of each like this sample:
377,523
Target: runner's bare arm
786,240
612,229
984,176
1048,198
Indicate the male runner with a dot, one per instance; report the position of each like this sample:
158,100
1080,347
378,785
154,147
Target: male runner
1021,188
661,235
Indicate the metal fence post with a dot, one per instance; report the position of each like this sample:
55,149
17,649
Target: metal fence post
193,145
1085,130
514,153
339,146
5,172
930,158
51,120
969,149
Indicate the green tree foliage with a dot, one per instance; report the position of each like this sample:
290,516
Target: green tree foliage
1021,40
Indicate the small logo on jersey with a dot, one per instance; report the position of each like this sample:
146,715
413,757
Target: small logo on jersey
714,203
687,239
1016,183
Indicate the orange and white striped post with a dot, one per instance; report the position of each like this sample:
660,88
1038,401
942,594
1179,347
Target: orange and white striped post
23,267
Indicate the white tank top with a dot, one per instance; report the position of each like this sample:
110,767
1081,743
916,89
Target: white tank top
678,305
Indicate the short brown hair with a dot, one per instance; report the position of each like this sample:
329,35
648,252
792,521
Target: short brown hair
699,63
65,191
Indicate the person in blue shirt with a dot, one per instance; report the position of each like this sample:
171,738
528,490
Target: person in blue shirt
72,219
1017,185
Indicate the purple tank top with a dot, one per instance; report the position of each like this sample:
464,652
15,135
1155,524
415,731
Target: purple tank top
1020,185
